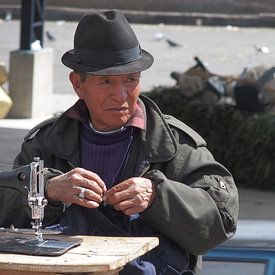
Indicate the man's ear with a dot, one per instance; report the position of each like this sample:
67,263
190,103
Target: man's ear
77,83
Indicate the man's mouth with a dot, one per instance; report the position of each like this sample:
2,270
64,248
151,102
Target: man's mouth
118,109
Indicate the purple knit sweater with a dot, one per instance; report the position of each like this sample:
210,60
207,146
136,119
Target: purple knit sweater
105,153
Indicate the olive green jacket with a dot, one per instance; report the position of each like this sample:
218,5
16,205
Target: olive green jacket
197,200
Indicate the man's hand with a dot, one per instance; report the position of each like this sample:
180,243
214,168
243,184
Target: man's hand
67,187
131,196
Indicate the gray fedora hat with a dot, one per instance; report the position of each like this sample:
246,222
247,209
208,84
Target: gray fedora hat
105,44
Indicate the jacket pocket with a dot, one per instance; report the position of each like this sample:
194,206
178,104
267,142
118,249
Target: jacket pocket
217,188
225,194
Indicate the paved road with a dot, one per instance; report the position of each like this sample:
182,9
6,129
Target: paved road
226,50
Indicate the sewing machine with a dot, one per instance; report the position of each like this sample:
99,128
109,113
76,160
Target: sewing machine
29,180
93,256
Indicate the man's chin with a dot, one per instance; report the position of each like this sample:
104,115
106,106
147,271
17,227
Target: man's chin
120,122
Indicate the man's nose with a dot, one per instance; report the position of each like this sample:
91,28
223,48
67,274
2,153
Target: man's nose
121,91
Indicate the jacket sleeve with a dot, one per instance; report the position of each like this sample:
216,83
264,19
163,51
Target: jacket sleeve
197,201
13,209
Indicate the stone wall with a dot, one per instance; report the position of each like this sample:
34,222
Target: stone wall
205,6
243,13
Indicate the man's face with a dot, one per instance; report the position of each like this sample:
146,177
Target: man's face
111,100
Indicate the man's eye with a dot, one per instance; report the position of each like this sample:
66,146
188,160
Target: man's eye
132,79
105,81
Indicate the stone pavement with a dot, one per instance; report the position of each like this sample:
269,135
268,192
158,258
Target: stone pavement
227,50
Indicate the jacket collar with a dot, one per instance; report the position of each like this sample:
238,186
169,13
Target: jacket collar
80,112
157,141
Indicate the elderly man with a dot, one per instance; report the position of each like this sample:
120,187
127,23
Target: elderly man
122,168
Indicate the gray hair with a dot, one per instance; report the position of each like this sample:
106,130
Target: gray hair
83,76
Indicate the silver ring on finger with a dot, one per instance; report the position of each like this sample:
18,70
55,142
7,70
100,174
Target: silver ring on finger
82,193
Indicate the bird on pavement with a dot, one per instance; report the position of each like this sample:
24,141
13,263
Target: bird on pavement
261,49
8,16
50,36
172,43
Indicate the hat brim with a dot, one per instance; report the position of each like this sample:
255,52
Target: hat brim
145,62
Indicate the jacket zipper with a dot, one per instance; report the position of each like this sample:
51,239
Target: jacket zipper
146,168
70,164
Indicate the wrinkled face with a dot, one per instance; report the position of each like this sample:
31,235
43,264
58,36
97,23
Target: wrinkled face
111,100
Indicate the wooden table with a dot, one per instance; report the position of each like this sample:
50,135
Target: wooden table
95,255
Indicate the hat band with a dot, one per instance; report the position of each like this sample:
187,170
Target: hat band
108,58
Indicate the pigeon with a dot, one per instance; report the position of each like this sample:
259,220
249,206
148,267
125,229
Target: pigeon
8,16
262,49
172,43
36,45
159,36
60,22
50,36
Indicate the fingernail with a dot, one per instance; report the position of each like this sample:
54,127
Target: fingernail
92,204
